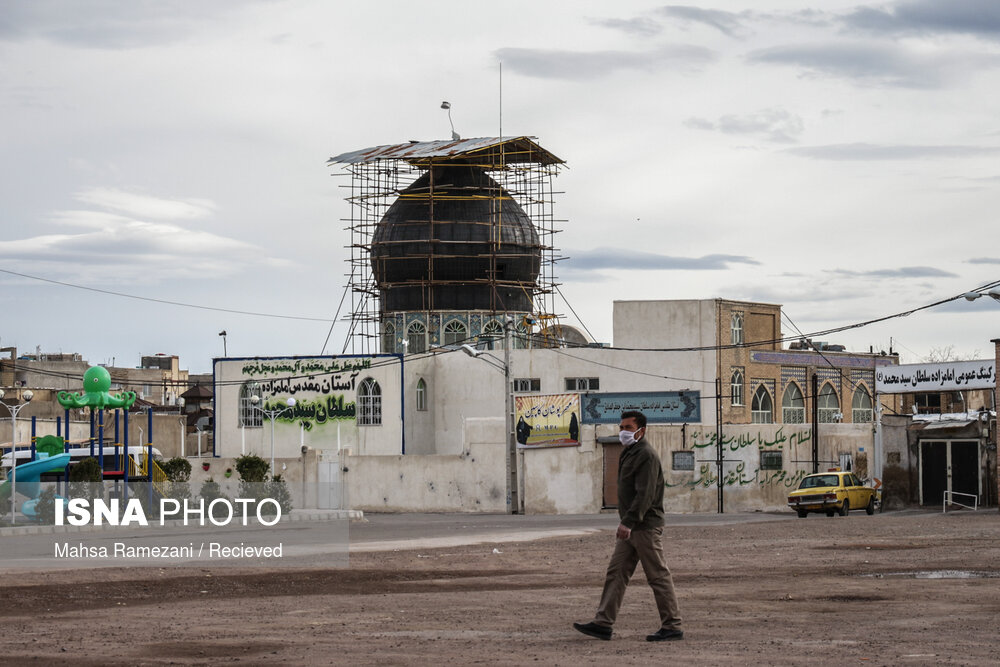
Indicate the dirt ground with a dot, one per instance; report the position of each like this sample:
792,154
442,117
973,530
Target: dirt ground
889,589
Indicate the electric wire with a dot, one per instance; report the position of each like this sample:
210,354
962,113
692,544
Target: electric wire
164,301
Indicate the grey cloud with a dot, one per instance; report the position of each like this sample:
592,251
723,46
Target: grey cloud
777,125
641,26
110,24
581,65
864,151
985,260
616,258
900,272
728,23
971,17
878,64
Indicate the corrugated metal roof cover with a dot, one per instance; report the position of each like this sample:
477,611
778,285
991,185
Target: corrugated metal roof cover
523,149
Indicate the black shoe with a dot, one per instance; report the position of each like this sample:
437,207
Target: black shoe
594,630
664,635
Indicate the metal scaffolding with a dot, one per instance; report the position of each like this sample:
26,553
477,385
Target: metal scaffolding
520,170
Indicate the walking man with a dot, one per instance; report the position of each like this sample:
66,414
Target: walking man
639,538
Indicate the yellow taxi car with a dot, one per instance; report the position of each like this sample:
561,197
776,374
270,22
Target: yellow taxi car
834,491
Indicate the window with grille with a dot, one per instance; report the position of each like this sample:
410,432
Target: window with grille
492,334
525,385
761,407
389,338
455,333
829,405
683,461
416,338
736,387
521,337
249,414
770,460
421,395
736,326
583,384
861,407
793,405
369,403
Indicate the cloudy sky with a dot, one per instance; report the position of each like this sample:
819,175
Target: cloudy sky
841,159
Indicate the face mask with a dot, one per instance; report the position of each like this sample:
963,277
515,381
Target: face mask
626,437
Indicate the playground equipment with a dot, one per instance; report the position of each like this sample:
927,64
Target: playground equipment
118,461
28,476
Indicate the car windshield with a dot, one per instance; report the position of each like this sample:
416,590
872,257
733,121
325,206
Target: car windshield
818,480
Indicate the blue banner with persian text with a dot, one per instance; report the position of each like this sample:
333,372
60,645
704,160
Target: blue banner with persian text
660,407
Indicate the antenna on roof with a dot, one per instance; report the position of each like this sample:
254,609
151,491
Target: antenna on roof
454,134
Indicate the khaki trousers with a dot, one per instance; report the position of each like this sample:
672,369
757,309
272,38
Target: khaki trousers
646,547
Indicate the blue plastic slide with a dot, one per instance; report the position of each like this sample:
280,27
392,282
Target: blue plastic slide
28,475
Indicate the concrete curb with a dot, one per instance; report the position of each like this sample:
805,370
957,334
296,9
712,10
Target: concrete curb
354,516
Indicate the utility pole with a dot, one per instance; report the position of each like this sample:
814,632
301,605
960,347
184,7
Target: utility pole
718,442
815,416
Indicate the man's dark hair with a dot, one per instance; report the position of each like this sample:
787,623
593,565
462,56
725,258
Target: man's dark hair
640,419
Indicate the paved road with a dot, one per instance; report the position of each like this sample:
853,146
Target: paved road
382,532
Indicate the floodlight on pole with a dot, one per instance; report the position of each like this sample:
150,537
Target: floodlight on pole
14,409
454,135
272,414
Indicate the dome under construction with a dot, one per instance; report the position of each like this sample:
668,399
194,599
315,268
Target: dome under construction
450,240
455,240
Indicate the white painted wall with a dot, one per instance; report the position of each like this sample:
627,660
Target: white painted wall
333,434
469,481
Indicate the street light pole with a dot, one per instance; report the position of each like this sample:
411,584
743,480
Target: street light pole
514,505
272,414
14,409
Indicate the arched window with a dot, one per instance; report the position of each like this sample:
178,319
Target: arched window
416,338
455,333
736,387
389,338
520,337
829,405
861,406
793,406
736,325
250,416
369,403
421,395
492,334
761,407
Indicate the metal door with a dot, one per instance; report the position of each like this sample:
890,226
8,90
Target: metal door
948,465
933,471
612,452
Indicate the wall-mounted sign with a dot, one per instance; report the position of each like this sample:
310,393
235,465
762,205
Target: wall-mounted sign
547,421
944,376
660,407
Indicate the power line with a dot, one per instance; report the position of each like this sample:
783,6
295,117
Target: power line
164,301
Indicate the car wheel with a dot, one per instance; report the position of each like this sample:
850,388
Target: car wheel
870,507
845,508
802,513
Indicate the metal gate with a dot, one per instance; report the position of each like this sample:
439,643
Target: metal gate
329,492
948,465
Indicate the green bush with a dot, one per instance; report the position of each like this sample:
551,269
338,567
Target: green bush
177,469
86,479
278,490
210,491
45,510
252,468
87,470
